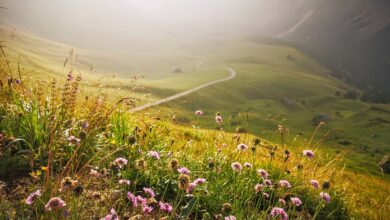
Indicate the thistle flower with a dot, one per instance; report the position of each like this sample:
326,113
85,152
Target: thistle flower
236,166
268,182
199,113
111,216
33,197
242,147
154,154
124,182
284,183
149,191
259,188
120,162
55,203
191,187
248,165
308,153
166,207
325,196
184,181
174,164
314,183
296,201
276,211
183,170
262,173
199,181
218,119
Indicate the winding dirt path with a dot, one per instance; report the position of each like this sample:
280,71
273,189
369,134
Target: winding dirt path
181,94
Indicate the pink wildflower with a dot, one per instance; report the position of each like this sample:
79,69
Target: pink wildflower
236,166
191,187
296,201
325,196
314,183
166,207
308,153
183,170
147,210
54,204
199,113
111,216
268,182
200,181
285,184
154,154
242,147
248,165
120,162
218,119
33,197
282,202
262,173
258,187
124,182
149,191
276,211
230,217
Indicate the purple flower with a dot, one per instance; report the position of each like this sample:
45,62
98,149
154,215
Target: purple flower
236,166
55,203
248,165
154,154
268,182
314,183
266,195
325,196
200,181
262,173
199,113
276,211
133,199
296,201
230,217
149,191
147,210
111,216
191,187
259,187
120,162
242,147
166,207
308,153
33,197
285,184
18,81
183,170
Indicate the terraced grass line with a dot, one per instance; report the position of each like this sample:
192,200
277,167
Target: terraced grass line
179,95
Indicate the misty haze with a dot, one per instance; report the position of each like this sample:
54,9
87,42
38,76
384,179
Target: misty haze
194,109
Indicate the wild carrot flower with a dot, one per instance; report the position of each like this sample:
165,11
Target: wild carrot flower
248,165
236,166
230,217
276,211
268,182
308,153
149,191
183,170
325,196
242,147
199,113
191,187
218,119
111,216
262,173
200,181
296,201
259,187
120,162
285,184
55,203
154,154
124,182
314,183
166,207
33,197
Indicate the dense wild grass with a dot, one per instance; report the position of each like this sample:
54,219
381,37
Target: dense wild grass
91,153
